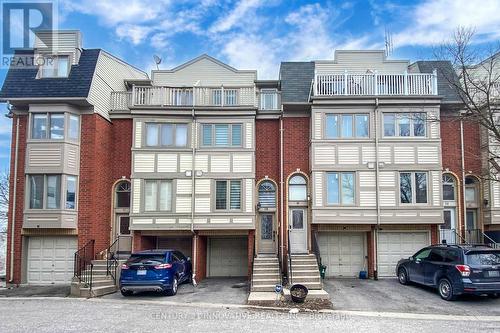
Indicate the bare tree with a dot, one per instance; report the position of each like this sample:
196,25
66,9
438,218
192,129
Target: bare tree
476,80
4,200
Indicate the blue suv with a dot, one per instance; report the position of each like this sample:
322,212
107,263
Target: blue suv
155,270
454,270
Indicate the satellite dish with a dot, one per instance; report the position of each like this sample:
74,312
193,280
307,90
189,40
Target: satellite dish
157,61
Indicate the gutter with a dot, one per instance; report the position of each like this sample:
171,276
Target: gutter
14,195
193,179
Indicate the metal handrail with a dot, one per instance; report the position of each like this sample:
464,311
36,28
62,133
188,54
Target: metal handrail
316,249
83,267
455,235
112,258
290,277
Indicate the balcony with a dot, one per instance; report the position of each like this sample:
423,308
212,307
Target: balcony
158,96
374,84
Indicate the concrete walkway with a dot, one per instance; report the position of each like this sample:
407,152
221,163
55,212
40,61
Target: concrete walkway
55,290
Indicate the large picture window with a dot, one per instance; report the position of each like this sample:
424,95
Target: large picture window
347,126
221,135
52,126
340,188
227,194
413,187
166,135
405,124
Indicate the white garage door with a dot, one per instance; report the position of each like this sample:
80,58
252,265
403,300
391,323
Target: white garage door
227,257
392,246
50,259
342,253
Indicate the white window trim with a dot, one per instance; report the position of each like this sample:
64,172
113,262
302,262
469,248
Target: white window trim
56,58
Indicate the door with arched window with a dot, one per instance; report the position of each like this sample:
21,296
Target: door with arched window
122,237
266,233
297,214
448,230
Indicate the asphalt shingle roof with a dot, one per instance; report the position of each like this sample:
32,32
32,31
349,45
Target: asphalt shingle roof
445,72
22,82
296,80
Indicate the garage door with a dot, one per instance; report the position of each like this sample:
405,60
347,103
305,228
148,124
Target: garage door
392,246
183,244
342,253
227,257
50,259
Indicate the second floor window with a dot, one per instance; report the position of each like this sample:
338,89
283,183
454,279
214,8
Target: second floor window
340,188
347,126
268,99
157,195
413,187
405,124
52,126
45,191
227,194
166,135
221,135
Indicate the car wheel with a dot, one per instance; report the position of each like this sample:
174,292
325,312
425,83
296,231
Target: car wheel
495,295
126,292
445,289
402,276
175,284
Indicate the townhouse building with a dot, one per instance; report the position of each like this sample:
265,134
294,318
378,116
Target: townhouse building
352,163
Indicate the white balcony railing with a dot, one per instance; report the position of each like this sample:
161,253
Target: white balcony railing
414,84
185,96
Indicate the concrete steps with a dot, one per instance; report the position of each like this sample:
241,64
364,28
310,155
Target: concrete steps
305,271
266,274
102,284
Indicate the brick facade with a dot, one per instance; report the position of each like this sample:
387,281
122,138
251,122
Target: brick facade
20,185
201,258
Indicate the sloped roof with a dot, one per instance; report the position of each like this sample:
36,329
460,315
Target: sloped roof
22,82
296,80
445,72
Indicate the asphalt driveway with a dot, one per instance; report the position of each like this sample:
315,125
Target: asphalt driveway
387,295
210,290
55,290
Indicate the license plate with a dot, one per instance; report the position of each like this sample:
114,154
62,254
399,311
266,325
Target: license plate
141,272
493,273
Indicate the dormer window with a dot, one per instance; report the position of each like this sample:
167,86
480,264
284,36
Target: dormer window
54,66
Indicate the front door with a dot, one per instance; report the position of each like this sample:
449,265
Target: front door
298,230
123,245
267,238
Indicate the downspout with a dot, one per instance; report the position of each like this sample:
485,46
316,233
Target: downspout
282,228
377,194
463,178
193,179
13,224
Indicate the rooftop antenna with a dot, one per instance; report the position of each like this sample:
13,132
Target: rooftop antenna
157,61
389,46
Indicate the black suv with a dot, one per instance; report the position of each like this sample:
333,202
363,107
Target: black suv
454,270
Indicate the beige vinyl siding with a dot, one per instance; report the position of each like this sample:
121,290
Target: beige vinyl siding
166,162
208,72
428,155
436,187
138,134
184,186
242,163
317,125
404,155
183,204
109,76
202,205
318,189
359,62
144,162
185,162
249,185
387,198
367,198
201,162
249,135
385,154
324,155
202,186
57,157
348,155
136,195
220,163
45,156
367,179
367,154
496,194
387,179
